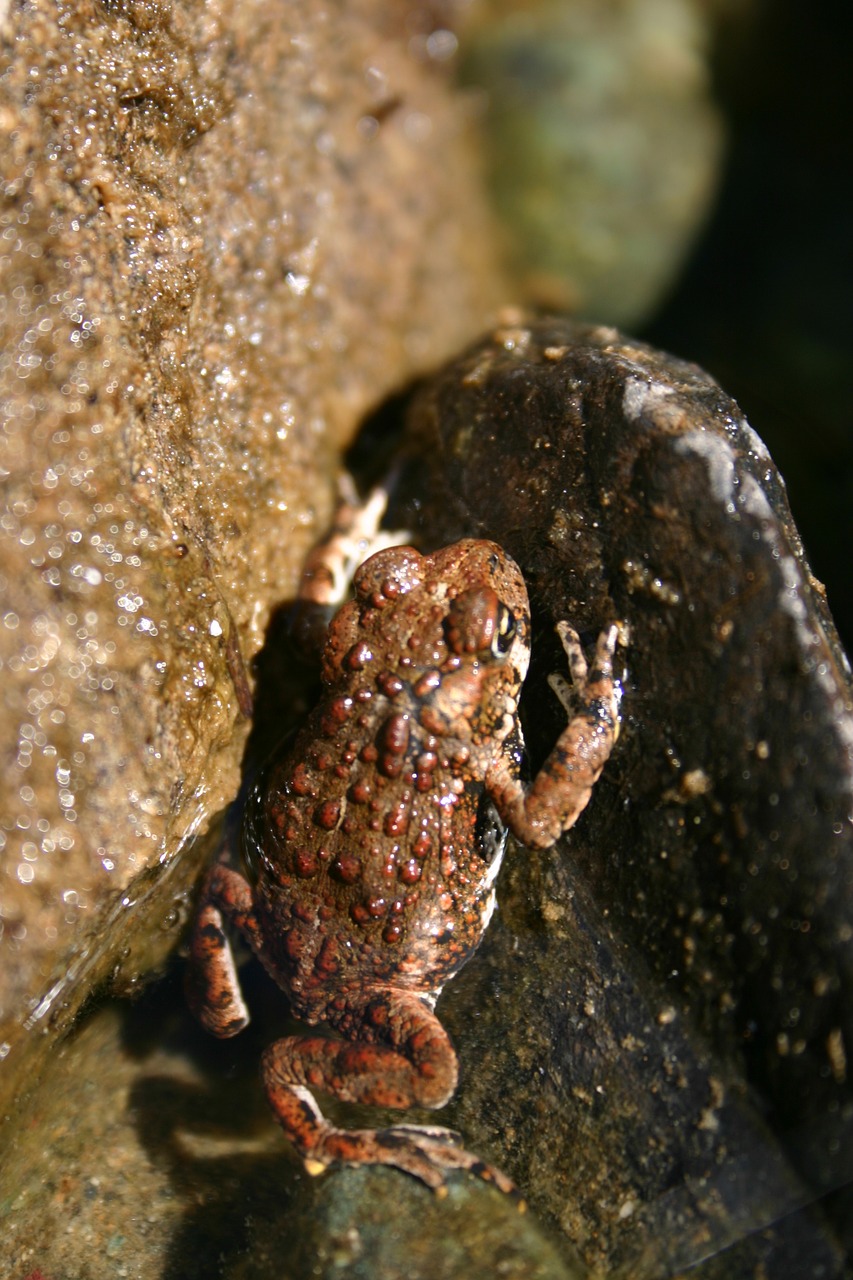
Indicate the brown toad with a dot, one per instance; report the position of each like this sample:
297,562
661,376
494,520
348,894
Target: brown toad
377,838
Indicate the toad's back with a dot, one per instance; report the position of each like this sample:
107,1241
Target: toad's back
377,844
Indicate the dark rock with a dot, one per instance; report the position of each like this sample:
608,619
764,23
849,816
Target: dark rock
708,887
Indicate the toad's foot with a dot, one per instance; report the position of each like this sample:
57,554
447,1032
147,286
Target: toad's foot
427,1152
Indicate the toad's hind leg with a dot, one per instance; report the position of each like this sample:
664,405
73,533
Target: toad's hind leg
402,1057
211,982
331,565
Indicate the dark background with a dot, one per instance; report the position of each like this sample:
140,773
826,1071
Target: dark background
765,303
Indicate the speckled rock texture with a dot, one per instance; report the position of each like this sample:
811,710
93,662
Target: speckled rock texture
185,1177
212,247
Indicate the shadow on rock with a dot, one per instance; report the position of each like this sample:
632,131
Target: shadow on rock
236,1192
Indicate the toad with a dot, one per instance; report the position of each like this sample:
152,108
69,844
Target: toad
376,837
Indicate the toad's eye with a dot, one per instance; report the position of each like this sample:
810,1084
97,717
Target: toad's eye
479,623
504,631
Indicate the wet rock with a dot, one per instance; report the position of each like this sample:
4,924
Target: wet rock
703,902
212,253
160,1156
375,1226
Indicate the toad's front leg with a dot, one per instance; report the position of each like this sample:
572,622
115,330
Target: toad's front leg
538,815
400,1056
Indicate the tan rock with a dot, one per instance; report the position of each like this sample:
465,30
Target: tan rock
227,232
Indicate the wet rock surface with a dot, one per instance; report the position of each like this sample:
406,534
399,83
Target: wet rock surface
183,1175
189,192
714,862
